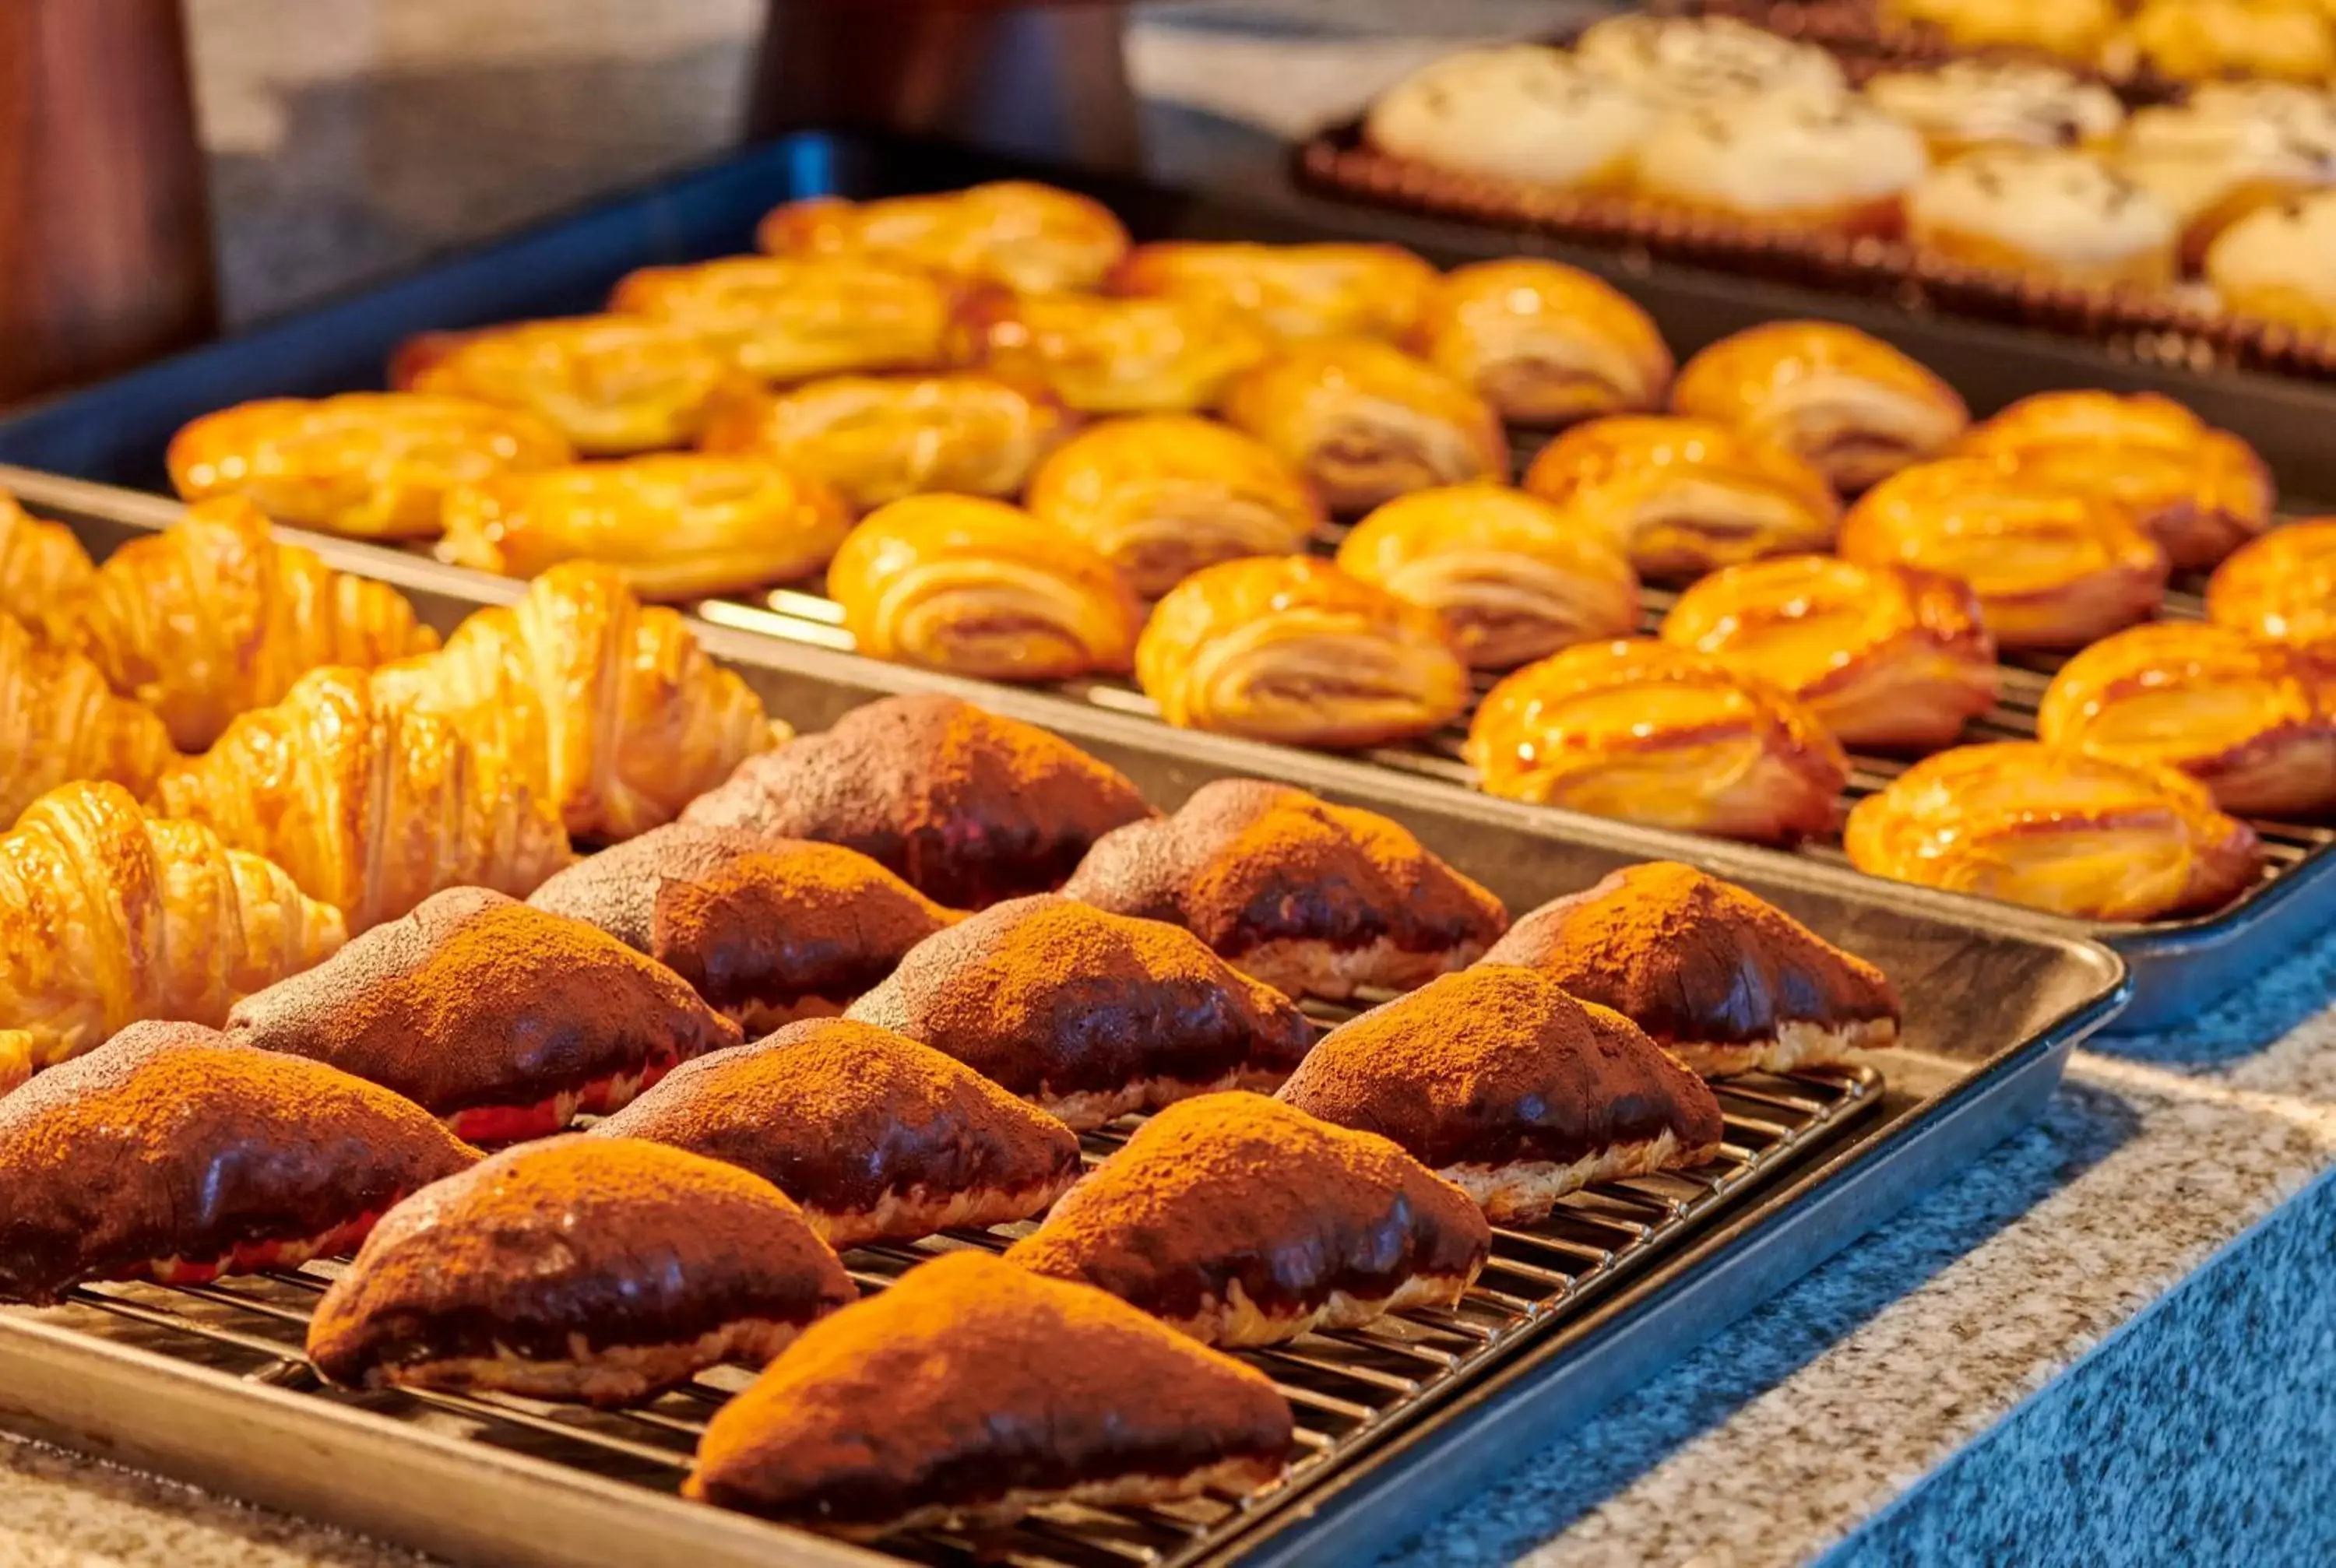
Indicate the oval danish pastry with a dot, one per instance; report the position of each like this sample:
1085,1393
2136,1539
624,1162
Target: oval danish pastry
1014,232
1325,290
1106,355
2282,587
787,318
1366,423
1543,343
612,385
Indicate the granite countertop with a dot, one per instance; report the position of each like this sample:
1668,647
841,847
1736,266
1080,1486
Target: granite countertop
2106,1343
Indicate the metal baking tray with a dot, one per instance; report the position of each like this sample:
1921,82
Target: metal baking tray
1403,1422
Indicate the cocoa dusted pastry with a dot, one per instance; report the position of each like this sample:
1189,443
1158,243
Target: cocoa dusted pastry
1313,898
1721,979
1089,1015
172,1154
593,1269
973,1391
967,806
1240,1221
1501,1083
507,1021
879,1138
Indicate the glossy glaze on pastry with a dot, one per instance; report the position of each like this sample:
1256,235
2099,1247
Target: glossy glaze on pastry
2070,29
788,318
60,721
1962,104
2204,40
1543,343
1721,979
1014,232
1321,290
1683,59
1653,734
1313,898
1515,111
1291,648
2278,263
1885,656
1099,354
1514,577
2060,213
2282,587
1790,160
2056,830
611,384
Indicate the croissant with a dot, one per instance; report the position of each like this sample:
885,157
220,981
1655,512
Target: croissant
1100,356
42,564
214,617
370,804
108,916
60,721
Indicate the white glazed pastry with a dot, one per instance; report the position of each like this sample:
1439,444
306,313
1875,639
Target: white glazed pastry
1787,159
2280,262
1675,61
2229,151
1521,111
1970,104
2055,211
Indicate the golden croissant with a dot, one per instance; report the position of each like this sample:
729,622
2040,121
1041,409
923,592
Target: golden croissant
371,804
108,916
59,721
42,564
214,616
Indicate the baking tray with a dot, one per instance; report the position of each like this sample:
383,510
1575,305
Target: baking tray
204,1383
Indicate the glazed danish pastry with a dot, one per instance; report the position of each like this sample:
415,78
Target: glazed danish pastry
1653,734
1682,60
1543,343
1784,161
2070,29
1968,103
1366,421
2282,587
1685,496
980,588
1891,657
2202,39
674,524
2052,567
786,318
1291,648
2278,263
1512,576
1024,236
368,464
1172,355
2057,212
2229,149
2056,830
1515,111
611,384
1323,290
1164,495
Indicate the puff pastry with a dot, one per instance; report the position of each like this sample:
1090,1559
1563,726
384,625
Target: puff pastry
368,464
1685,496
1855,408
1322,291
1026,235
877,439
1366,421
1164,495
2200,40
2282,587
611,384
1653,734
2052,567
59,721
1784,161
1513,577
676,525
980,588
1885,656
787,318
1291,648
1515,111
2056,830
2060,213
1171,355
41,565
1543,343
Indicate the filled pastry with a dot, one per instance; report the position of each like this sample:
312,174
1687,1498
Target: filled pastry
2278,263
368,464
1026,235
1685,496
1099,355
2053,566
1239,1220
1515,111
2204,40
1682,60
972,1391
2282,587
1785,161
2055,212
1497,1081
677,525
611,384
1514,577
1366,421
1856,409
879,1138
877,439
788,318
1963,104
767,929
1653,734
2227,150
1313,898
504,1021
1291,648
968,807
980,588
1543,343
1723,980
1087,1015
2056,830
2070,29
60,721
1891,657
1164,495
1324,290
170,1153
2253,721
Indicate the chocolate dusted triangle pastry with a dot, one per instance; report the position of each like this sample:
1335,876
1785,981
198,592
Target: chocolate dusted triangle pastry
507,1021
1721,979
1242,1221
1500,1082
593,1269
968,808
1088,1015
172,1154
879,1138
768,931
1313,898
973,1391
